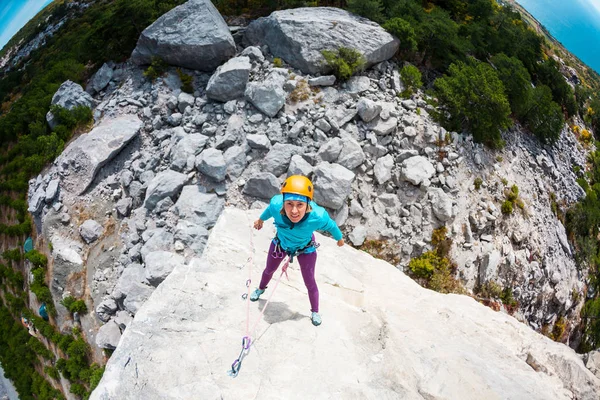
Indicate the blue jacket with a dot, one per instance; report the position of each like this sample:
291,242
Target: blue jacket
293,237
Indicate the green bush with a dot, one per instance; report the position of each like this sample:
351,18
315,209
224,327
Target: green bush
371,9
157,68
344,62
277,62
404,31
477,182
507,207
36,258
74,305
424,265
411,77
186,81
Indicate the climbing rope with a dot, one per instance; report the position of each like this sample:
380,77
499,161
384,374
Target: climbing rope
247,339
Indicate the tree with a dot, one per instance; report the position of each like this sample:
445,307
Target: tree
371,9
548,74
472,97
438,39
411,77
516,81
543,116
404,31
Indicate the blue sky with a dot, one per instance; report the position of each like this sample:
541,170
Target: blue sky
14,14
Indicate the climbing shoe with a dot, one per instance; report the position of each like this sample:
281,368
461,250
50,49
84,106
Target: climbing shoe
316,319
256,294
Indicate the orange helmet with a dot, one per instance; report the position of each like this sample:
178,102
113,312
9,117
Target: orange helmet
298,184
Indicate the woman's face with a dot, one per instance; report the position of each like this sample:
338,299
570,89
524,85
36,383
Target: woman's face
295,210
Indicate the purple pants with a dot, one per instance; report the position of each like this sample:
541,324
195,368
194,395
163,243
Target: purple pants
307,267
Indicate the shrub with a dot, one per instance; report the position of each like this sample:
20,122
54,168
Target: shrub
74,305
404,31
186,81
411,77
345,62
424,265
37,258
277,62
507,207
157,68
477,182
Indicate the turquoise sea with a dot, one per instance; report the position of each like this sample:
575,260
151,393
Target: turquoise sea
574,23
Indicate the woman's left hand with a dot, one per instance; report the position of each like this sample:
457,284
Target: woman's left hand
340,242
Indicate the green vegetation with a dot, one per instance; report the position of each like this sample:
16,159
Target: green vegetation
477,182
411,77
186,81
156,69
277,62
344,62
433,269
74,305
512,200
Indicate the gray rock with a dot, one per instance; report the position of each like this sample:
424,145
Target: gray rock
441,204
326,80
383,169
323,125
299,166
299,35
101,78
339,116
367,109
136,297
185,100
69,95
106,308
330,151
235,158
267,96
188,146
123,206
358,235
417,169
156,239
165,184
263,185
488,269
191,235
159,264
229,80
192,35
254,54
52,190
108,336
90,231
562,237
67,267
84,157
258,141
36,202
333,184
212,164
352,154
122,319
278,159
198,207
381,127
132,274
358,84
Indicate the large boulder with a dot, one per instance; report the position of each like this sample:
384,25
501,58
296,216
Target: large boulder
159,264
198,207
166,184
451,346
184,152
229,80
108,336
84,157
101,78
417,169
68,267
90,231
69,95
441,204
267,95
299,35
263,185
278,159
333,184
192,35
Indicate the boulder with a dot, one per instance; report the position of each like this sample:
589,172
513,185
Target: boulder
258,141
212,164
106,308
488,269
108,336
367,109
199,208
352,154
263,185
137,296
268,95
235,158
69,95
278,159
191,235
90,231
67,267
159,264
417,169
383,127
330,151
132,275
188,146
165,184
441,204
229,80
254,54
333,184
383,169
52,190
101,78
36,201
358,235
83,158
451,346
299,166
299,35
192,35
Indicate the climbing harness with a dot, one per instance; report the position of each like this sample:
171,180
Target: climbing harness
247,339
279,252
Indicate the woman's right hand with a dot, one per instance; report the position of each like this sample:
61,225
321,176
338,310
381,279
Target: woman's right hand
258,224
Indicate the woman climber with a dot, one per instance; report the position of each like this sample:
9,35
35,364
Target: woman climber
296,218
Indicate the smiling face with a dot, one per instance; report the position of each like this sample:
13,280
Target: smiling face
295,210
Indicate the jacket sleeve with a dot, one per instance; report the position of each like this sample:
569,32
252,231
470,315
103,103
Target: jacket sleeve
267,213
330,226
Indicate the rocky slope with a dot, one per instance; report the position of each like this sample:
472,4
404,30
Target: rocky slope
383,336
137,196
